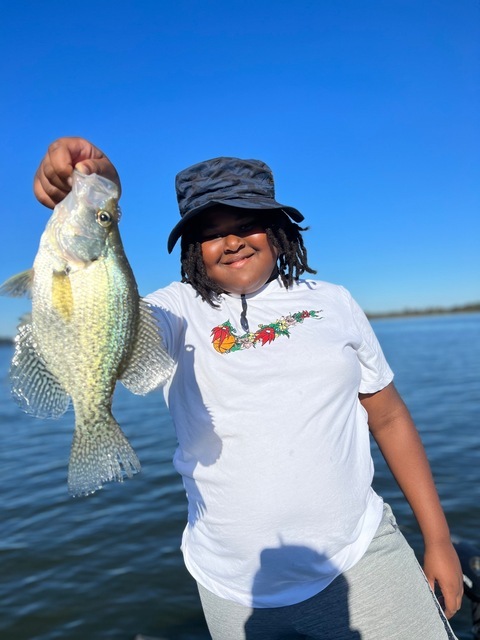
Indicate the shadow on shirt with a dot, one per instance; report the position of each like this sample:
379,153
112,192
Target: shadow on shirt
324,616
198,444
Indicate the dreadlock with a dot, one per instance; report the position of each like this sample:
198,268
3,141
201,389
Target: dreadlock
285,236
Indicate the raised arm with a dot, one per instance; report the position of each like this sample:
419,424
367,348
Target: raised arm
53,178
396,435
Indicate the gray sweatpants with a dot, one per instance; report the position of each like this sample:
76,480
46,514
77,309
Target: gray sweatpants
385,596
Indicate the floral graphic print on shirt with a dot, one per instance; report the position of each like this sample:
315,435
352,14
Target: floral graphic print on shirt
225,339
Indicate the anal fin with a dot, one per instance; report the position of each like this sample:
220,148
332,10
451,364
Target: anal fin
34,388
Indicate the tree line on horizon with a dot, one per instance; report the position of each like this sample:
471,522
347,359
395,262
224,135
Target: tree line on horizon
472,307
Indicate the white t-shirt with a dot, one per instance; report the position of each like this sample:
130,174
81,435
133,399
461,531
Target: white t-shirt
273,443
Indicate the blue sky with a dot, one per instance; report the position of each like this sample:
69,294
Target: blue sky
366,110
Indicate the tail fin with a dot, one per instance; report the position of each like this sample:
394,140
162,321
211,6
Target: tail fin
98,456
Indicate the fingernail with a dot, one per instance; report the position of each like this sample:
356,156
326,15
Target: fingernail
82,169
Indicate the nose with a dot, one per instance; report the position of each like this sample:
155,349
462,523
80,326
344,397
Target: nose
233,243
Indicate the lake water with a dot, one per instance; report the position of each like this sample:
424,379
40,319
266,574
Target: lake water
109,566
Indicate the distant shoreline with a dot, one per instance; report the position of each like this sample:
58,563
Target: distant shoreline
406,313
474,307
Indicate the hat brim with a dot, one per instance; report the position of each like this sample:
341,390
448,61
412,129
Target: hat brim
258,203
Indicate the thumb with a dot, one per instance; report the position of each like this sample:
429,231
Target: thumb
85,167
101,166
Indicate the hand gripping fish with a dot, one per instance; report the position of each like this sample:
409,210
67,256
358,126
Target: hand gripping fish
88,328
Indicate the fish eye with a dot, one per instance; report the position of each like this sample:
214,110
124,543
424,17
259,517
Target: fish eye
104,218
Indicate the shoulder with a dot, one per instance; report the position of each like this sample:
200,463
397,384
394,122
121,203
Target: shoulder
332,296
322,288
171,306
174,296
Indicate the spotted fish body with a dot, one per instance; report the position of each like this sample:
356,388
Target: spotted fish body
88,328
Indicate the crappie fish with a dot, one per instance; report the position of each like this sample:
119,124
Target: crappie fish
88,328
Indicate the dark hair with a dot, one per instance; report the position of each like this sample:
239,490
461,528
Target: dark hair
285,236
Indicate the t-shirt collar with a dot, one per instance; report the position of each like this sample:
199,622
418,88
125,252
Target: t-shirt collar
268,287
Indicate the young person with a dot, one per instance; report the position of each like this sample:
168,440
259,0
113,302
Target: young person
277,383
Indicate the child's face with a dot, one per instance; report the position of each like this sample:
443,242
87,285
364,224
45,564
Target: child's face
237,253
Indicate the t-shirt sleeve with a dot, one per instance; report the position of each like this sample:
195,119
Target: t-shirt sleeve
376,373
164,305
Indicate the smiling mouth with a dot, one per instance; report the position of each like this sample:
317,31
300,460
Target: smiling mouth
238,262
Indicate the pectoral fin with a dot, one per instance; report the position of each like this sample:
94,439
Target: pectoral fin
34,388
18,285
149,365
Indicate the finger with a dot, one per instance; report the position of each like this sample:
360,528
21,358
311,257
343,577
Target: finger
453,601
46,192
66,154
101,166
450,611
52,178
63,155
